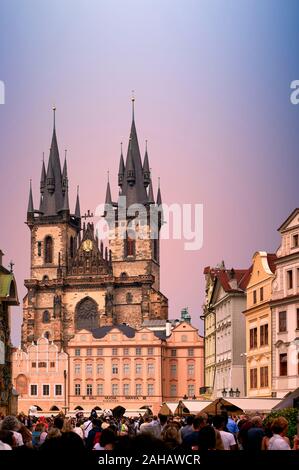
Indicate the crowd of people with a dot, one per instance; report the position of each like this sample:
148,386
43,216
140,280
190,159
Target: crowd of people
148,433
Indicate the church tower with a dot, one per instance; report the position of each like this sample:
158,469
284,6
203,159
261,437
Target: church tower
134,238
69,274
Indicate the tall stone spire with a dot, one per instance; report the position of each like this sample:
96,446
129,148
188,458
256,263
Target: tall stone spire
108,198
133,184
121,170
64,175
151,199
159,198
77,208
146,168
30,209
43,177
53,198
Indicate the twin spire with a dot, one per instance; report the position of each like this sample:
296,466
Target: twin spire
134,178
54,196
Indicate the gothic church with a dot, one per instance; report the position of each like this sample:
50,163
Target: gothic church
74,282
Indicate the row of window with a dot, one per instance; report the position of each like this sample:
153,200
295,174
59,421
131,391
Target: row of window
45,390
126,369
126,351
42,365
173,390
100,389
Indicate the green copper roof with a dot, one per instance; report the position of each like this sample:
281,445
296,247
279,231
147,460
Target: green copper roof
8,289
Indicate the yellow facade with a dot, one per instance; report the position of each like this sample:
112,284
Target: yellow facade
258,326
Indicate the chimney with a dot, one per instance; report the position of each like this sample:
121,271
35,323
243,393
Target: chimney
168,328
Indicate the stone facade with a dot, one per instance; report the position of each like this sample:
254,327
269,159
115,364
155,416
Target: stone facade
74,282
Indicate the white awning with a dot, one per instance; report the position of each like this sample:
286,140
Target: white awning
195,406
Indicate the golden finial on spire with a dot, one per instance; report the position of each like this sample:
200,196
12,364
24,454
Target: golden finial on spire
133,102
54,111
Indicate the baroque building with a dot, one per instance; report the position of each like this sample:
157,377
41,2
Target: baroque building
75,283
259,326
8,297
228,301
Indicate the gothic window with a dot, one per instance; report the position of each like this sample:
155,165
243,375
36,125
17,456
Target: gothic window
86,316
130,246
123,275
48,250
39,248
72,247
129,298
45,278
47,335
46,316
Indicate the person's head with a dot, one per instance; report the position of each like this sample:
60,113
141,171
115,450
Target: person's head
10,423
199,422
147,419
96,423
72,443
58,422
204,417
279,426
53,433
219,422
67,426
257,422
189,420
162,419
170,434
107,439
207,438
40,427
7,437
26,434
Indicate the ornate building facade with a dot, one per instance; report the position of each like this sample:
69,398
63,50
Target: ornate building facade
259,326
74,282
112,365
8,297
285,309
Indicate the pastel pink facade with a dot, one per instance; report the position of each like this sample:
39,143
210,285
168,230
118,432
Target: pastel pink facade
113,365
38,376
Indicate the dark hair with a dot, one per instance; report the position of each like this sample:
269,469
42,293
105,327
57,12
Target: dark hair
7,437
189,420
58,422
218,421
198,420
107,437
207,438
97,422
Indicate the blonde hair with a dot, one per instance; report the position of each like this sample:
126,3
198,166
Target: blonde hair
67,426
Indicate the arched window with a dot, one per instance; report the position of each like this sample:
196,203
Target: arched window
123,275
45,278
130,246
86,316
54,408
47,335
129,298
46,316
48,250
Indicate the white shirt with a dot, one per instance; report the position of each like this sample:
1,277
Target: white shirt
277,442
4,446
87,426
79,431
227,439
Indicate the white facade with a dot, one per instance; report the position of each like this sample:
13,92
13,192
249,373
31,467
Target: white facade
285,309
230,338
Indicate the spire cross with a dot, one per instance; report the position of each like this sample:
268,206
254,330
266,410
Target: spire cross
54,111
121,148
11,264
133,102
65,152
88,215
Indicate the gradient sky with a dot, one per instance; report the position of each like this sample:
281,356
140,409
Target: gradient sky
212,85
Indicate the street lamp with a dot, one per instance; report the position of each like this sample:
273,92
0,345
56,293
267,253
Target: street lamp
65,405
224,392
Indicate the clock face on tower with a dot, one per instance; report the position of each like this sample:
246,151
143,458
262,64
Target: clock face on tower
87,245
